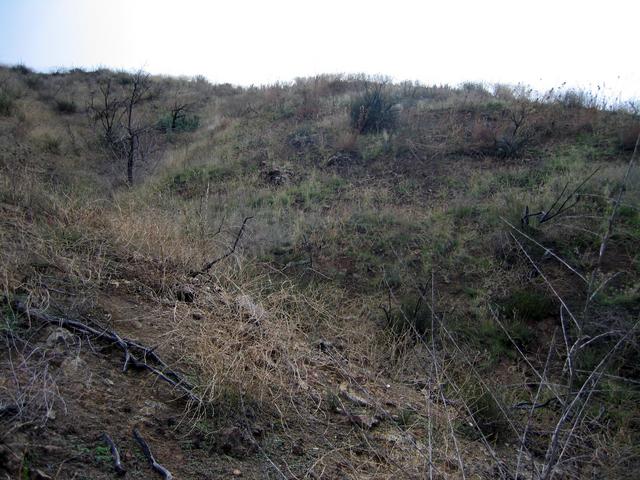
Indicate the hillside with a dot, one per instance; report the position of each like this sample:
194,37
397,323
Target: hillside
340,277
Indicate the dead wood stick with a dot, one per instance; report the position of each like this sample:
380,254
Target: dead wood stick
117,464
138,360
147,453
207,266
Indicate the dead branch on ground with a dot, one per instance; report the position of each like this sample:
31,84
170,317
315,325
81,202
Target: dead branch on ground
117,464
135,353
147,453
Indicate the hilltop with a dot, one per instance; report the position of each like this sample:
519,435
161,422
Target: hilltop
341,277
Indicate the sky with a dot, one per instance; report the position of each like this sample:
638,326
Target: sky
540,43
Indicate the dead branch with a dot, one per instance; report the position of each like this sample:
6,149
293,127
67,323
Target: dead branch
117,464
135,354
545,216
207,266
147,453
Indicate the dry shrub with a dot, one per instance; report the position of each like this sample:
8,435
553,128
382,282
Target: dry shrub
347,142
309,107
627,137
483,136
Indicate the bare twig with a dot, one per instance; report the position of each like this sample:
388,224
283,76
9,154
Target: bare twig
207,266
547,251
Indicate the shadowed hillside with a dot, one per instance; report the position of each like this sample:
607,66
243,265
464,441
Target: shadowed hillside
341,277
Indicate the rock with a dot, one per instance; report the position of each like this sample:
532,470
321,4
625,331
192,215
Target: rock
347,393
254,311
184,293
74,368
151,408
39,475
340,159
10,461
236,442
297,448
325,345
60,337
364,421
236,472
275,176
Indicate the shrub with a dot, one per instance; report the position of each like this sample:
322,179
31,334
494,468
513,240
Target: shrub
186,123
6,103
373,111
528,305
487,413
22,69
411,316
627,137
66,106
34,82
50,144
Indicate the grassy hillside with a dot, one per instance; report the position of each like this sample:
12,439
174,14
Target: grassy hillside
340,277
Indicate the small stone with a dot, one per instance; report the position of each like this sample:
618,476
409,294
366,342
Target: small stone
71,367
254,311
39,475
236,472
60,337
185,293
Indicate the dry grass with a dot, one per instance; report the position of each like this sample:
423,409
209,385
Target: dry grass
291,330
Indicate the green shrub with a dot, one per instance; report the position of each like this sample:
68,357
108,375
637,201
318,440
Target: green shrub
488,416
50,144
66,106
529,305
373,112
6,103
22,69
193,181
34,81
185,123
412,316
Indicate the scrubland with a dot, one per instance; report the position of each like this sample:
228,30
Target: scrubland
343,277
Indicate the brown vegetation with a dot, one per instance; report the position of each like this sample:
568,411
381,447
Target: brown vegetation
451,292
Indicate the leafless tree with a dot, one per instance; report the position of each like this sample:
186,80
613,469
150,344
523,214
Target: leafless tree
126,133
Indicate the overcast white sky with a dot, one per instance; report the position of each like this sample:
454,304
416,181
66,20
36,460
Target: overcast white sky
541,43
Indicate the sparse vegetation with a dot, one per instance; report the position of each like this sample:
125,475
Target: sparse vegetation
434,279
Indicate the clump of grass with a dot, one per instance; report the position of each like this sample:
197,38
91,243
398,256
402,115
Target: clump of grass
487,417
7,101
22,69
50,144
193,181
66,107
373,111
529,305
185,123
412,316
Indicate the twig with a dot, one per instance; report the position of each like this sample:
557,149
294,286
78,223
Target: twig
557,295
117,465
546,250
207,266
147,453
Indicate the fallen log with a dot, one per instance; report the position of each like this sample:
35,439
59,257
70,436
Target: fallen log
135,354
